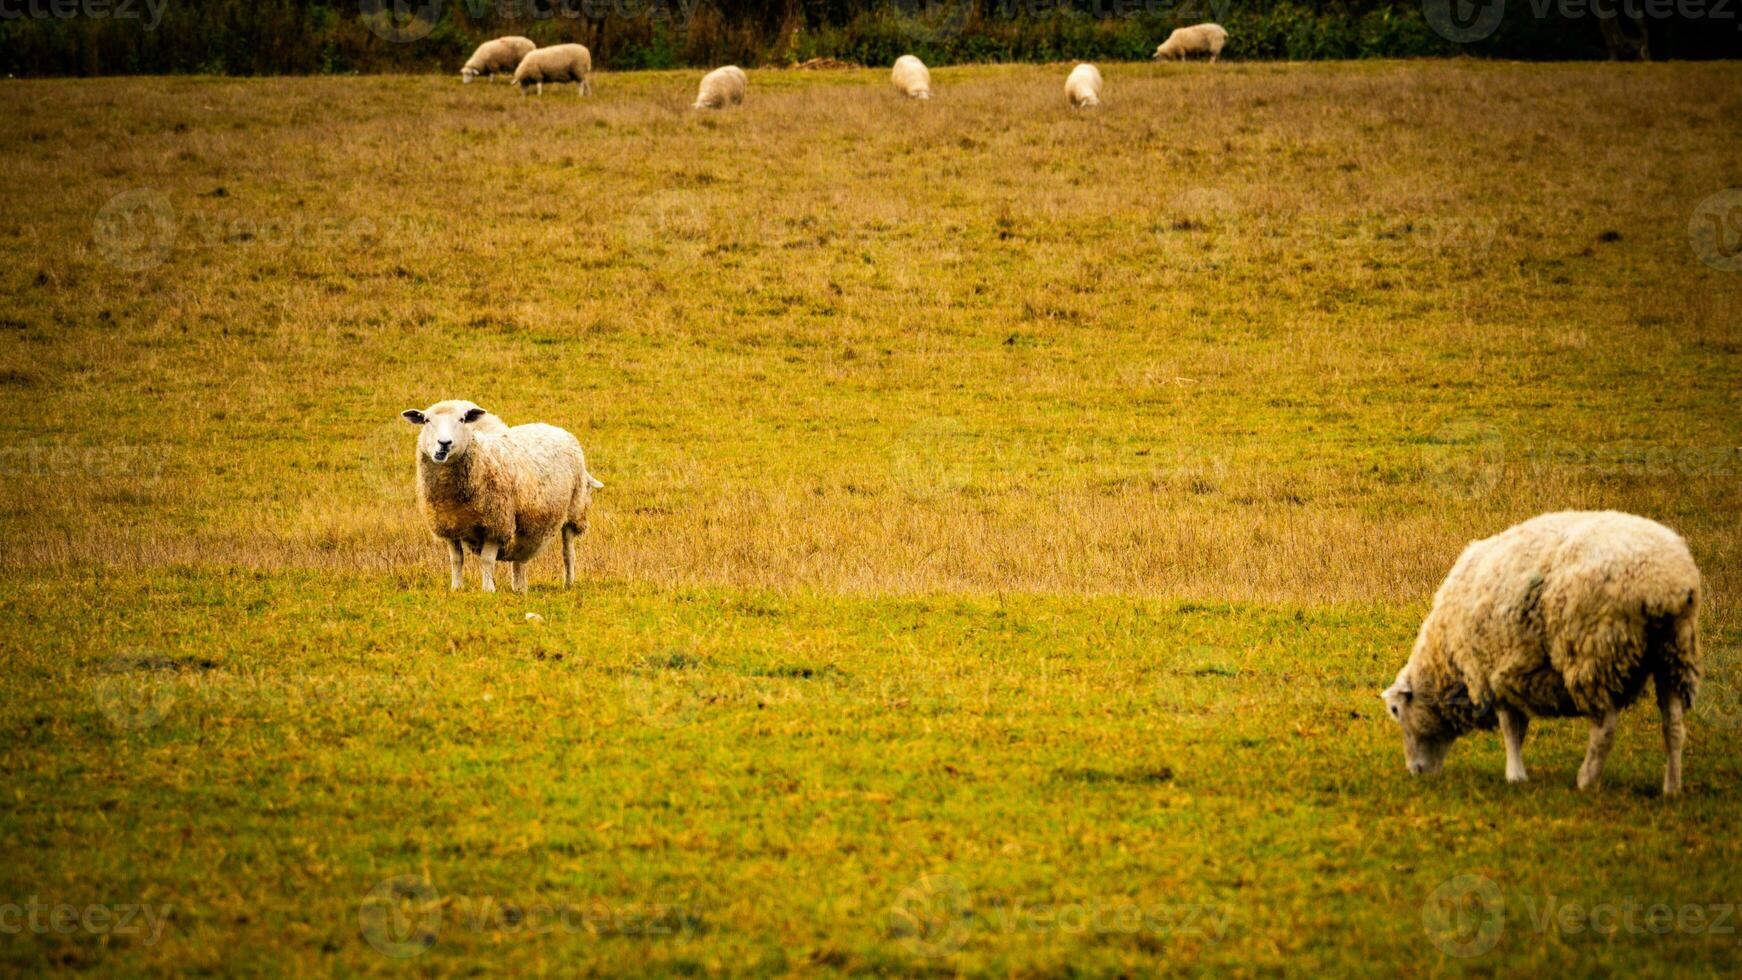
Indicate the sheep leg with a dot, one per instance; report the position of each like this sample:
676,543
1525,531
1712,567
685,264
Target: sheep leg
1602,737
1669,702
569,535
1513,725
540,88
487,564
456,562
520,577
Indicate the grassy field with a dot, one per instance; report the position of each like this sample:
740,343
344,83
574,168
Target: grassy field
1010,516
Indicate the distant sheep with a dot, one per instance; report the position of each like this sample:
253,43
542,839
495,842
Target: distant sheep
1565,614
1083,87
498,57
558,63
502,492
911,77
722,87
1200,39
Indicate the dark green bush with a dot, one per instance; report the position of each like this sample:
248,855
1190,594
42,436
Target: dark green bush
249,37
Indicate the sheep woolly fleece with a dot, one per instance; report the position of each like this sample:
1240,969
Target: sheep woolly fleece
1201,39
722,87
911,77
1564,614
516,487
1083,87
498,57
558,63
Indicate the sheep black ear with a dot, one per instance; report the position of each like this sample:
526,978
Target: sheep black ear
413,416
473,415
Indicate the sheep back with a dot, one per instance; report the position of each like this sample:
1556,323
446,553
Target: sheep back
500,56
722,87
911,77
557,63
1566,614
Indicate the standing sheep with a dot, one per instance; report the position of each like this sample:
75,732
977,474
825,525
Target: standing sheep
499,491
1083,87
1200,39
557,63
1565,614
911,77
498,57
722,87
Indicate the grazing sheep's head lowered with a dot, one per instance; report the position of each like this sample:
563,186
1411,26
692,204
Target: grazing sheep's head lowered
1432,716
447,428
467,74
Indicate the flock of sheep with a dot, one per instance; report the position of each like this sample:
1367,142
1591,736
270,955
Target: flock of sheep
1567,614
530,65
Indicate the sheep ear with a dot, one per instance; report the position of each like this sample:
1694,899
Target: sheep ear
473,415
413,416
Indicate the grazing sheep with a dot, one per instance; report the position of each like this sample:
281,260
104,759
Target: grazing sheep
1565,614
911,77
498,57
1200,39
499,491
1083,88
722,87
557,63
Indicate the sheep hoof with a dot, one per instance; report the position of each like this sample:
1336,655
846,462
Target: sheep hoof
1517,777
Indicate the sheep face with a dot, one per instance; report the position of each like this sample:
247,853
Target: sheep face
467,74
1426,734
445,429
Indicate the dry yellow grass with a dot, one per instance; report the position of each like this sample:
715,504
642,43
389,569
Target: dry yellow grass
1284,332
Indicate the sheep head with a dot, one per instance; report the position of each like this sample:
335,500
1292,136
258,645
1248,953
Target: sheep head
1432,716
446,429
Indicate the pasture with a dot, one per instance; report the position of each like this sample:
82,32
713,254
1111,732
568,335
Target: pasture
1010,516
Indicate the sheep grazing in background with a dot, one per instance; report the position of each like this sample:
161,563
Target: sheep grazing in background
557,63
1565,614
911,77
500,491
1200,39
722,87
1083,87
498,57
